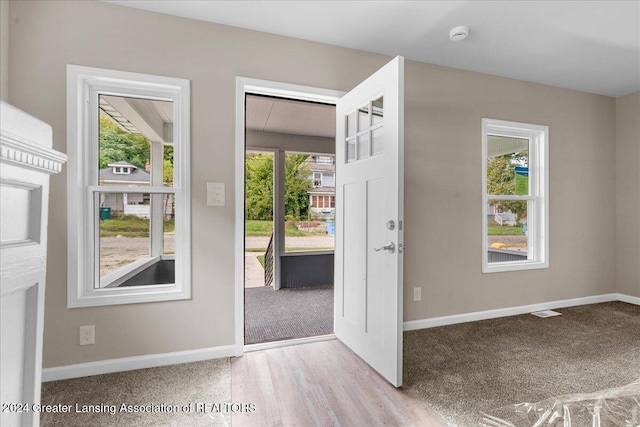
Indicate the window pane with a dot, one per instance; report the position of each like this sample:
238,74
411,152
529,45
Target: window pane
363,118
328,180
377,110
125,153
507,230
377,140
351,150
363,146
351,124
129,252
507,166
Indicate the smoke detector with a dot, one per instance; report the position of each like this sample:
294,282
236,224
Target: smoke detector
459,33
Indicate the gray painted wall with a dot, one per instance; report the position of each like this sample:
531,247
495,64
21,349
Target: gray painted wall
444,108
4,50
628,194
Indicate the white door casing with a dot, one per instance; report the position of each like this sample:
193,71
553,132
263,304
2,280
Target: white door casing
369,215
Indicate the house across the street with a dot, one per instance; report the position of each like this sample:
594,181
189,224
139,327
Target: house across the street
124,173
322,195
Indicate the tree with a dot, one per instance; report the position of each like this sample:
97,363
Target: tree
117,145
501,181
297,185
259,186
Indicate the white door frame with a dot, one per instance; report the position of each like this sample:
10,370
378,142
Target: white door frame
246,85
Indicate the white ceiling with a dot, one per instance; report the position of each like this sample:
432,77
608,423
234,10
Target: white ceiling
591,46
266,114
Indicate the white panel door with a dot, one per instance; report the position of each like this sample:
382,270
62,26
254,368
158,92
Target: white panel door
369,214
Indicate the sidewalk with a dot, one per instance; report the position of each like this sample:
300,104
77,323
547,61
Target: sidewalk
253,271
320,241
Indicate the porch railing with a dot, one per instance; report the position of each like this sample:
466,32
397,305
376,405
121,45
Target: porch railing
268,263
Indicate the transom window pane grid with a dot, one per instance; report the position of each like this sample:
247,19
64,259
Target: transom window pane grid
364,131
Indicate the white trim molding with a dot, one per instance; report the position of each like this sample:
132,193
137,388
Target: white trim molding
537,199
433,322
163,359
19,150
244,86
136,362
629,299
84,86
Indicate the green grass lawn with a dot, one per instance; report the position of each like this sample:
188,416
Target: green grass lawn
129,226
261,259
254,228
504,230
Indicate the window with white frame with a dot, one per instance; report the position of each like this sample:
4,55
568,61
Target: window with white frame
323,201
324,160
128,225
317,179
515,204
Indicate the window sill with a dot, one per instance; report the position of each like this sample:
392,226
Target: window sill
499,267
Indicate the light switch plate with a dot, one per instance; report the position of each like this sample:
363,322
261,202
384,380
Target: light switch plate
215,194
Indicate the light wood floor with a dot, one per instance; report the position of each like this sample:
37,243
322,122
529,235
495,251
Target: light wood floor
322,383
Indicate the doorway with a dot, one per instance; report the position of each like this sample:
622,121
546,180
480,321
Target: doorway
368,258
289,219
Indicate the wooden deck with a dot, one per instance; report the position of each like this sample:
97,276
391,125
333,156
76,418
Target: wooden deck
322,383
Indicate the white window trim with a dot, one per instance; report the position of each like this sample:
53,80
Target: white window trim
83,86
538,219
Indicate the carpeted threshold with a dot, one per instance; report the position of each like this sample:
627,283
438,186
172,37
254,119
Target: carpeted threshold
287,313
463,370
168,389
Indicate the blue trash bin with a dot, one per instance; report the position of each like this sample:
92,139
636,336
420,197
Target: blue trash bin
331,228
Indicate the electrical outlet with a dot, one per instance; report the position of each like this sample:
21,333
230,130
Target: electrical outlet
417,294
87,335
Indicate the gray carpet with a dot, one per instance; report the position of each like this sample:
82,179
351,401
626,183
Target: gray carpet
287,313
190,383
461,370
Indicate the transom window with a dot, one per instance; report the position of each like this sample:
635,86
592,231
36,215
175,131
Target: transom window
514,188
128,187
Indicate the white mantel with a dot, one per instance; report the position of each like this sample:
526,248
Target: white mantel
26,163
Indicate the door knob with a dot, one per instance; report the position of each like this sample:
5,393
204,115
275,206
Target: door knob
391,247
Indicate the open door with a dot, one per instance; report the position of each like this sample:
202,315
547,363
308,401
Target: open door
369,217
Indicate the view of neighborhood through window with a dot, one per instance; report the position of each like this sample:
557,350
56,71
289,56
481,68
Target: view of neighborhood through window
309,202
128,143
507,181
312,227
136,227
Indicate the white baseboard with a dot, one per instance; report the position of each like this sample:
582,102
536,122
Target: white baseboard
629,299
511,311
135,362
164,359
